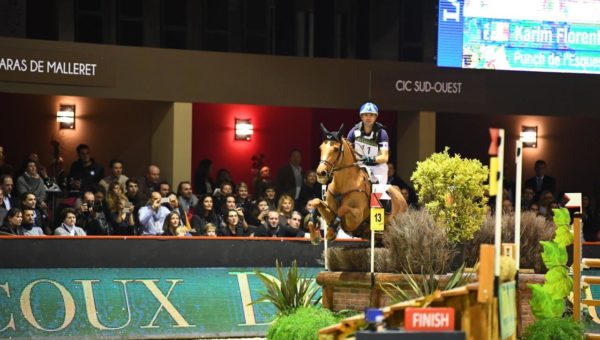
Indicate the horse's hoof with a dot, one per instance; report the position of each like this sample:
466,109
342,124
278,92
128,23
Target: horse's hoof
331,235
315,235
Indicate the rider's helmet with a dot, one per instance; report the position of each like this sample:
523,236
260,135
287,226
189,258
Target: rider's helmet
369,107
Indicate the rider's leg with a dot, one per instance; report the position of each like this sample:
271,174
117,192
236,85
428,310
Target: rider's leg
380,172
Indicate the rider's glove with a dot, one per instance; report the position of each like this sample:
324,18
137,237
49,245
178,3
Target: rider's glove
369,161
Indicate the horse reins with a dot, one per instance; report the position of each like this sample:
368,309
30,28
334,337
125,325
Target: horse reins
332,166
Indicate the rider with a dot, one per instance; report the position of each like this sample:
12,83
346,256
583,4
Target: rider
370,142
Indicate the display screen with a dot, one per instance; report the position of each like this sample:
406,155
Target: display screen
524,35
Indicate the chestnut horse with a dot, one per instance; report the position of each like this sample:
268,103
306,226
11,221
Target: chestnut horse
347,201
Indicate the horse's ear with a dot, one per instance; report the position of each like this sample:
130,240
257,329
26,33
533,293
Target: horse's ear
324,130
340,132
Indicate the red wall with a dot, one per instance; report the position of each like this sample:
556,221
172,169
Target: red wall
277,130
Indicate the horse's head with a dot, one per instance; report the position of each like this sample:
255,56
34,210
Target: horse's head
331,153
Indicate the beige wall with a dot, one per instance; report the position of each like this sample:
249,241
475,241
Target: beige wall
415,140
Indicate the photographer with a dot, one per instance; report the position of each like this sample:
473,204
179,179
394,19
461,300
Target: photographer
152,215
122,220
92,215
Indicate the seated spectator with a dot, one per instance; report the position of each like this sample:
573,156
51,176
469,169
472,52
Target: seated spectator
183,219
116,175
210,230
221,192
205,214
68,227
270,196
534,207
122,219
152,215
31,181
294,226
3,209
40,217
549,210
164,188
507,206
29,228
234,226
259,213
133,194
12,223
271,228
229,203
92,215
187,199
172,226
527,197
310,189
546,198
149,183
114,195
285,207
243,198
86,168
203,183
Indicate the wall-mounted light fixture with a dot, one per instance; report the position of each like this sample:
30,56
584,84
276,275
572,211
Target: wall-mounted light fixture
243,129
66,116
529,136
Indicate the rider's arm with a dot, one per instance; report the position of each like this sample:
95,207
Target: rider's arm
382,157
383,142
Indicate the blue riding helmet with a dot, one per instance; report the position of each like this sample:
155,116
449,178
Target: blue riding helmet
369,107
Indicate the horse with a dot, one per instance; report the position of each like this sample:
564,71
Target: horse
347,200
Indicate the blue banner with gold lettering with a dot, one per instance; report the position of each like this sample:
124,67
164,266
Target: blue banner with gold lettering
133,302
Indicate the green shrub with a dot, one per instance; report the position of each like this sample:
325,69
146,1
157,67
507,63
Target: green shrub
554,329
453,190
303,323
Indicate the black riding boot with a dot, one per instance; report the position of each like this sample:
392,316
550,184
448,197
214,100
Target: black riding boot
387,206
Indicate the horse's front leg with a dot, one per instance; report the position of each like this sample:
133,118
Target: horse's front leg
352,215
326,212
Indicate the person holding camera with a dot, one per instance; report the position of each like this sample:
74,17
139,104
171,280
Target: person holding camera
92,215
122,219
152,216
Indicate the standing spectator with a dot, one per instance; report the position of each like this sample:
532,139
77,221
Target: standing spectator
149,183
205,214
31,181
187,199
116,175
289,177
310,189
262,180
29,227
86,169
224,176
7,184
152,215
164,188
3,209
12,223
68,227
204,184
541,182
40,217
270,196
5,169
133,193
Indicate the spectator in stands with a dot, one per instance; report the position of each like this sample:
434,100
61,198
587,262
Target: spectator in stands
294,226
224,176
233,225
394,179
204,184
289,177
549,210
231,204
3,209
164,188
272,227
270,196
187,199
113,196
133,193
172,226
507,206
205,214
12,223
243,199
29,228
407,196
86,168
310,189
152,215
92,215
262,180
149,183
5,168
285,207
527,198
541,182
210,230
259,213
174,206
122,219
220,194
6,184
116,175
40,217
31,181
546,197
68,227
534,207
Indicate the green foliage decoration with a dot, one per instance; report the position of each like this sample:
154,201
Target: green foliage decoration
303,323
554,329
453,191
289,290
548,300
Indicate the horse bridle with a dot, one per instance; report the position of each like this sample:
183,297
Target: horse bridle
332,166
